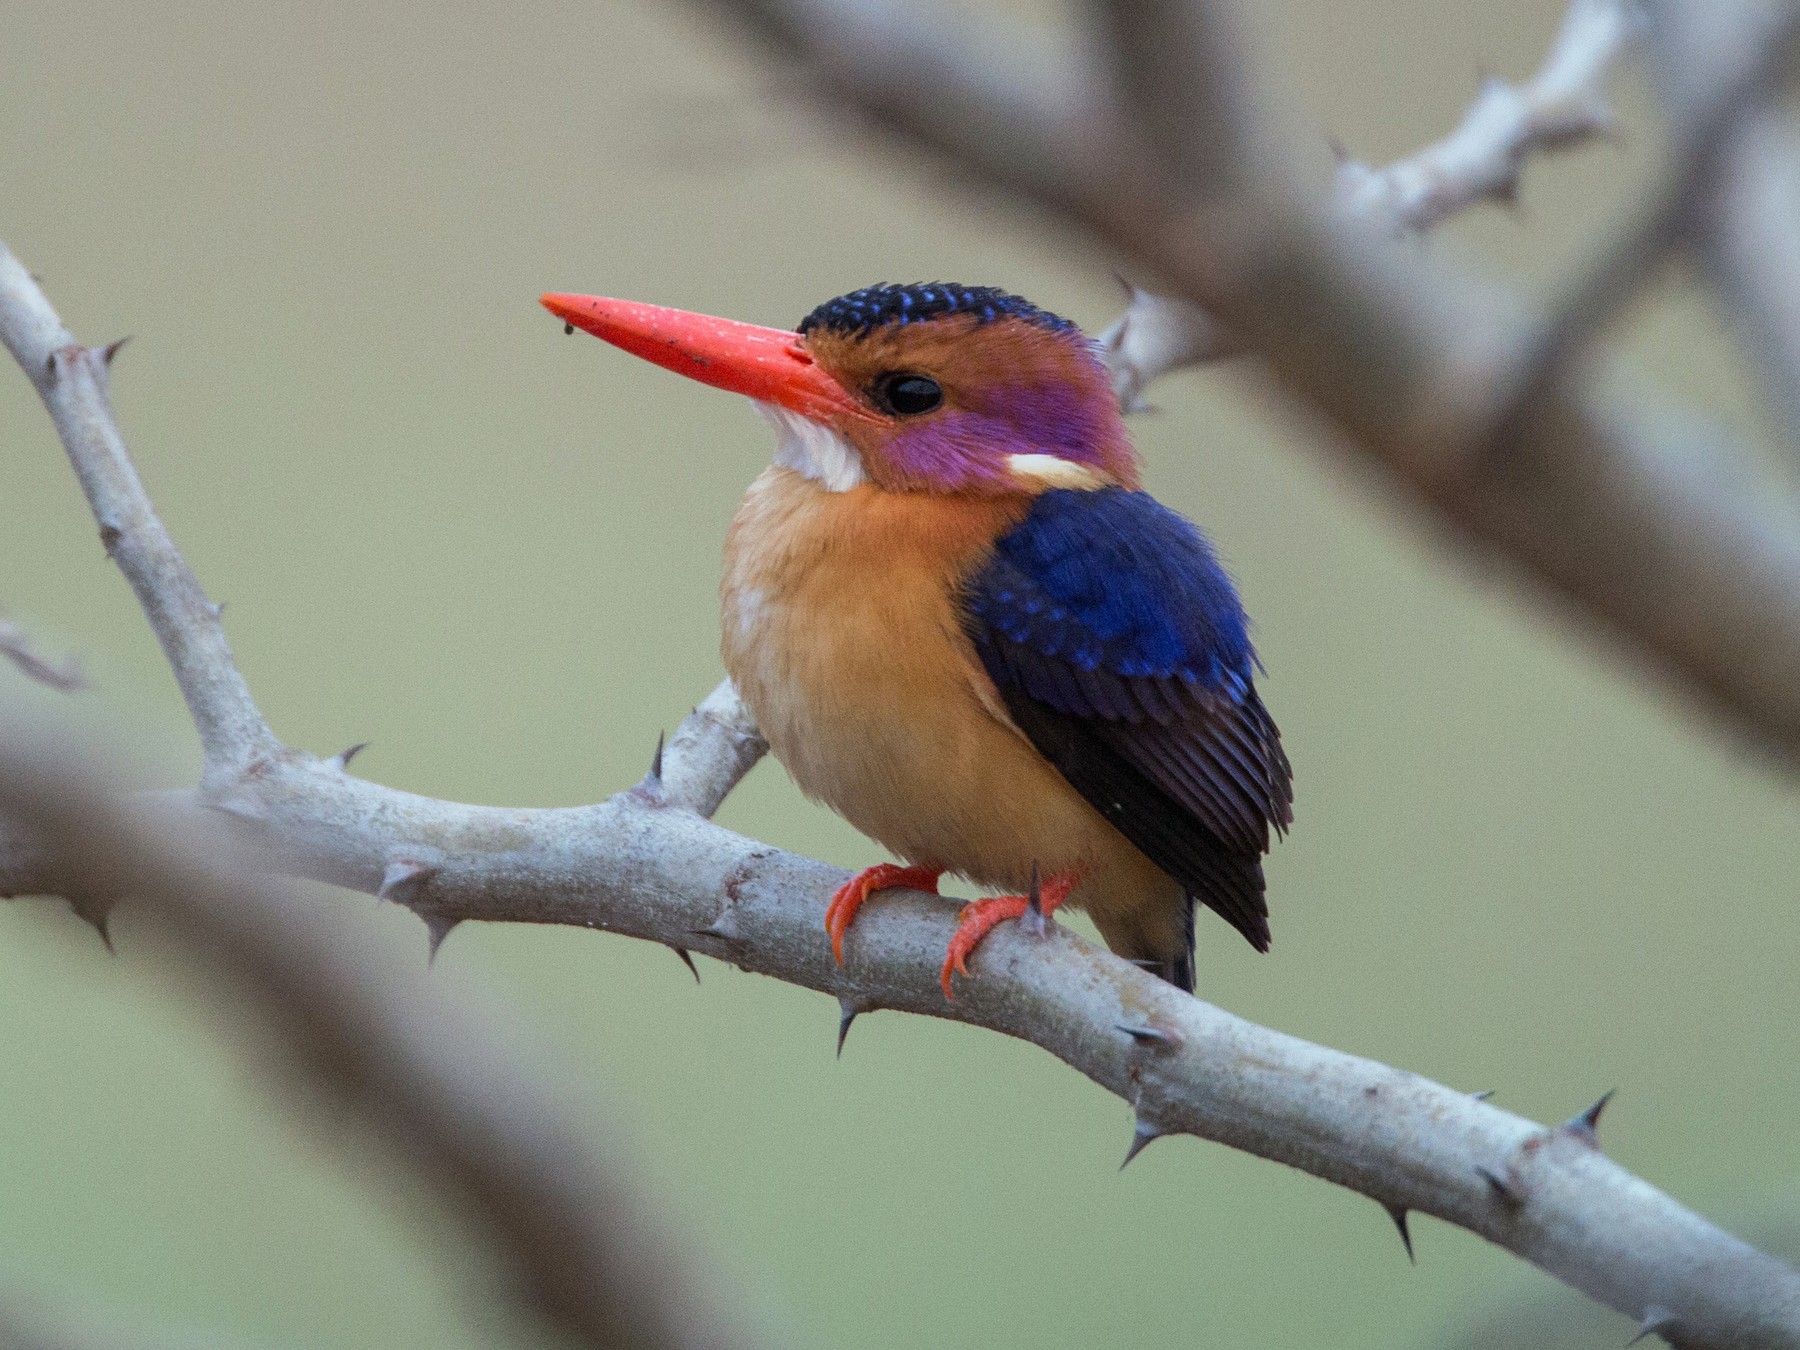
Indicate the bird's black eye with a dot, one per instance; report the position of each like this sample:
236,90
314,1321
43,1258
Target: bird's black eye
908,395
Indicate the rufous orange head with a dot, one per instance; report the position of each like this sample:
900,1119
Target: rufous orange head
925,388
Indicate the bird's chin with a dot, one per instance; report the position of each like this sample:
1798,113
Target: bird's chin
814,450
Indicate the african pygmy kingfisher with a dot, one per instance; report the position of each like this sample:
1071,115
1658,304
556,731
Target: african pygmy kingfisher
962,625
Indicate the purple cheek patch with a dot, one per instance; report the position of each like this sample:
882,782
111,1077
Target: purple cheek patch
968,448
957,451
1066,420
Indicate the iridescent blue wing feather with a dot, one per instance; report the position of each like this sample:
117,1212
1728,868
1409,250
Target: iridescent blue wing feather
1120,648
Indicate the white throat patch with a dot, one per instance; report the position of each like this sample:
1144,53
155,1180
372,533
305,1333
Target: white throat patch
813,449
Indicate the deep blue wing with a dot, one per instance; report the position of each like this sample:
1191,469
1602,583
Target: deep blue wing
1121,650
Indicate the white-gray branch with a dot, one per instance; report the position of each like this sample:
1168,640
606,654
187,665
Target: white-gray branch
646,863
1563,105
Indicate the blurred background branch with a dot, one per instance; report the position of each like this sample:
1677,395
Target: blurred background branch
17,647
1441,386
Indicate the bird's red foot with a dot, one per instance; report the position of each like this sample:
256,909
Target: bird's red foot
980,916
850,896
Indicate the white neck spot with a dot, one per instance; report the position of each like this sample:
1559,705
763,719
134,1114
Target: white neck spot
813,449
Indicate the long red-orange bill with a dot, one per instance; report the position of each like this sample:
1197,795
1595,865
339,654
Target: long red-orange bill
770,364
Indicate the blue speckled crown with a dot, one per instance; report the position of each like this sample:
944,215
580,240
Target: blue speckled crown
877,306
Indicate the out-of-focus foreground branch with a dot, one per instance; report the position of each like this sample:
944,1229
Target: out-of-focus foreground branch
648,864
16,647
1494,418
580,1250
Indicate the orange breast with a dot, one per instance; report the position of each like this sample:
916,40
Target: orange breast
843,634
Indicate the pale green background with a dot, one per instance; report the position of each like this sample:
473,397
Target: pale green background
443,528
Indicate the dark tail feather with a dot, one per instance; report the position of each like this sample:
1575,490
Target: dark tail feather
1178,969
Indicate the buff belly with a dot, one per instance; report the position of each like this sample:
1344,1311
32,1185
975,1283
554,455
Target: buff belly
842,633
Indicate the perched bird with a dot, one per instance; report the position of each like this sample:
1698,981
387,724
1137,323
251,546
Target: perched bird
962,625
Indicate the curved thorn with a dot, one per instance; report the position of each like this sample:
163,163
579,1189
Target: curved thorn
1656,1319
1398,1214
688,961
1032,920
1141,1138
847,1013
1503,1189
725,927
401,872
650,788
341,760
1146,1034
99,918
437,928
1586,1126
111,349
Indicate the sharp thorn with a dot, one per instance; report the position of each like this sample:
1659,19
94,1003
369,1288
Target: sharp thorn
725,927
401,872
1146,1034
1586,1126
1398,1214
847,1013
1141,1138
1032,920
1502,1188
650,789
341,760
688,961
1656,1319
1483,1095
437,928
112,348
99,918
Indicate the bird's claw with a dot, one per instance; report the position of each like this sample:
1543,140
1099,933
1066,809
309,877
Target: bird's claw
849,897
979,917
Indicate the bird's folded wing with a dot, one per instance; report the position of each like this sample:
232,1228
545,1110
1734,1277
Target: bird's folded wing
1119,648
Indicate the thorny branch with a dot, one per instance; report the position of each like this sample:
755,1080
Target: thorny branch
1563,105
646,863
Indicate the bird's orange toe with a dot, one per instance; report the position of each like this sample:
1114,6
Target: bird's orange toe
979,918
849,897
